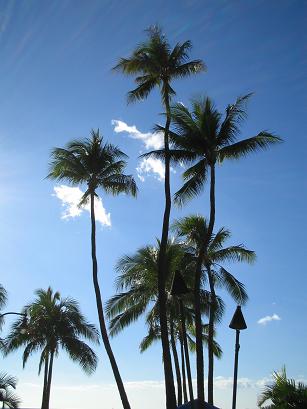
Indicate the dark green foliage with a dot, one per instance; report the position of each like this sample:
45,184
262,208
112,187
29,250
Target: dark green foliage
284,393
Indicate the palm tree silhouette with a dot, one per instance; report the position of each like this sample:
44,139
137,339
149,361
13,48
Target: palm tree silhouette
137,294
204,137
284,393
7,397
195,229
53,323
155,65
100,166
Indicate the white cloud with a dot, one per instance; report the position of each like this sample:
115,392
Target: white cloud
268,318
70,198
151,165
151,140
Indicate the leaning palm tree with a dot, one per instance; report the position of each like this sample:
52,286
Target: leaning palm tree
53,323
98,165
204,137
155,65
284,393
7,397
195,229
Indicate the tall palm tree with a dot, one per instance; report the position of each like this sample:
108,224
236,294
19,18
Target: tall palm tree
284,393
204,137
155,65
195,230
98,165
7,397
53,323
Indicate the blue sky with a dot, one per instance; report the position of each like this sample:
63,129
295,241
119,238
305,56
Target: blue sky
56,84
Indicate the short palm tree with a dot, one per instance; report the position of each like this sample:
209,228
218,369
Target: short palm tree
284,393
7,397
204,137
156,65
53,323
98,165
137,294
194,229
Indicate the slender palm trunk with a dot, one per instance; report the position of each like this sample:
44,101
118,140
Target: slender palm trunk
198,323
49,380
183,369
176,362
43,406
198,333
186,352
102,324
212,304
211,337
168,371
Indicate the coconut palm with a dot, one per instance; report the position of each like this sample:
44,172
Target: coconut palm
284,393
7,397
53,323
204,137
98,165
155,65
195,229
137,294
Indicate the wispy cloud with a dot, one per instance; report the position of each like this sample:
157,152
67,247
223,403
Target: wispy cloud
70,198
265,320
150,140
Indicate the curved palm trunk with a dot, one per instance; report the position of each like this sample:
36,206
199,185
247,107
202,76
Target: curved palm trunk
168,371
211,316
49,380
186,352
176,362
43,406
102,324
198,321
184,380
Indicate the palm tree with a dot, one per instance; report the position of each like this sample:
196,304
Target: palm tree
100,166
7,397
203,136
155,65
284,393
53,323
137,294
3,299
195,230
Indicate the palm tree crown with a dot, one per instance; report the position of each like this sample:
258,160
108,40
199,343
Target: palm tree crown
156,64
204,136
7,397
97,164
284,393
54,323
194,228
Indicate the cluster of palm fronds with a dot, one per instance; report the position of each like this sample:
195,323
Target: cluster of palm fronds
284,393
